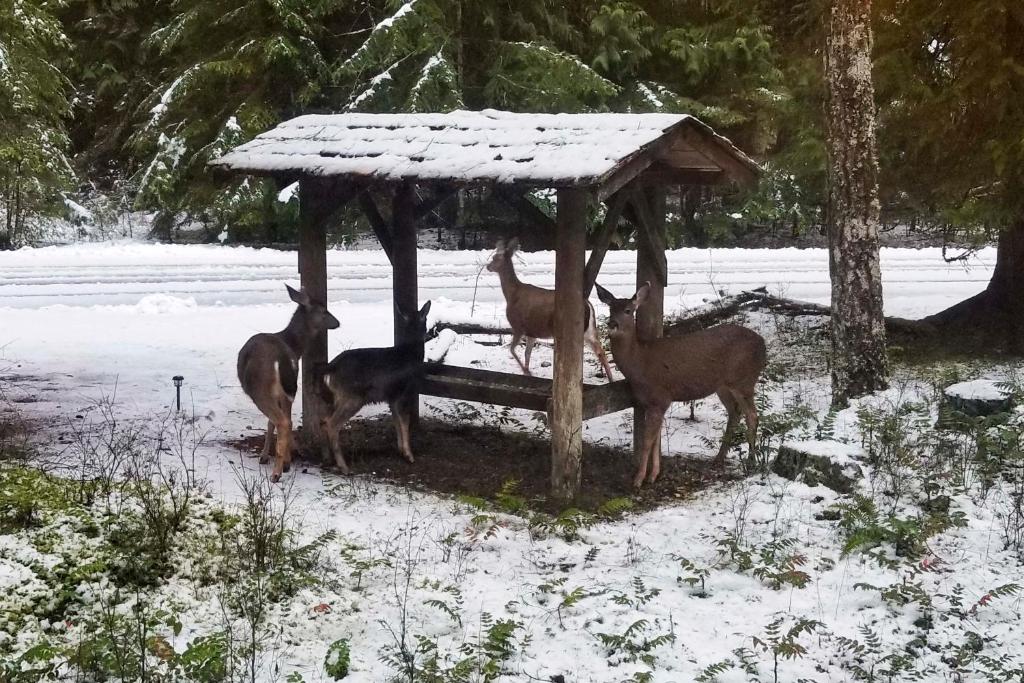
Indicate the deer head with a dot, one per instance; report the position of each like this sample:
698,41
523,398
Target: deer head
414,326
317,317
621,311
502,256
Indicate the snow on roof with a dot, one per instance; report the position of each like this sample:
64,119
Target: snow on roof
463,146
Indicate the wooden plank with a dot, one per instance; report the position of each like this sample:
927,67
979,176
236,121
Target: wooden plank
377,222
315,205
703,139
566,418
484,386
650,231
404,276
650,317
518,391
602,240
602,399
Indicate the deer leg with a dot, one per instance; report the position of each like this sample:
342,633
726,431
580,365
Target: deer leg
400,415
516,336
651,427
732,410
527,352
284,446
746,403
595,346
268,443
344,408
654,434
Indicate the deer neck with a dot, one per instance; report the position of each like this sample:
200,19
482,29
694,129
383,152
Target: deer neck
297,334
626,351
509,280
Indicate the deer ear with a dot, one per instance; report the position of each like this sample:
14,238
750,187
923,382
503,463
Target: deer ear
300,297
604,295
425,311
499,245
641,294
512,246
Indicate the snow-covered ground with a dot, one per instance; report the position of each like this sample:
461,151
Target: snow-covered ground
81,321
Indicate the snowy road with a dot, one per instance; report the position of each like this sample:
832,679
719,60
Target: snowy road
917,282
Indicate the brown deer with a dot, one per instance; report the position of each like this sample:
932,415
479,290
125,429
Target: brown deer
725,359
268,368
358,377
531,310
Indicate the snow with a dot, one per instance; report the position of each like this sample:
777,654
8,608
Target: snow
81,321
978,389
78,211
288,193
489,145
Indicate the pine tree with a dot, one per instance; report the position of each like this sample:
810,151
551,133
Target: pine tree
235,68
952,74
34,166
858,324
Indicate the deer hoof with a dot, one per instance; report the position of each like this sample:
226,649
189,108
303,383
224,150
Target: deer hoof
408,457
287,467
638,483
264,459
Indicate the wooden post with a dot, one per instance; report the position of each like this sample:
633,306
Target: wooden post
650,317
315,206
567,389
403,263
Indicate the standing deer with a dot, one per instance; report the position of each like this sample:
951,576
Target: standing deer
531,310
268,368
389,375
725,359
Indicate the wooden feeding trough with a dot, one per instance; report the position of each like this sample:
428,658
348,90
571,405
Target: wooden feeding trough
416,161
520,391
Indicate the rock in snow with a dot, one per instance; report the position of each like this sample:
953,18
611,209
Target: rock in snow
978,398
829,463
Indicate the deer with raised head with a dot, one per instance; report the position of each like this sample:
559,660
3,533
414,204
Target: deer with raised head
268,369
531,310
358,377
726,360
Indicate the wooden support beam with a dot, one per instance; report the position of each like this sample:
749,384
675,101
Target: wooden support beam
650,230
317,202
404,266
377,222
602,240
650,264
566,418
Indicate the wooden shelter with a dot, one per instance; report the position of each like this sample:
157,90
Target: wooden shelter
623,160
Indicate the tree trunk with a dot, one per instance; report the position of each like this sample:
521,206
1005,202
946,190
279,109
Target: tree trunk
858,326
993,318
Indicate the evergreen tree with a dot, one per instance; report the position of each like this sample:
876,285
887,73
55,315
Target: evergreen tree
235,68
952,74
858,324
34,166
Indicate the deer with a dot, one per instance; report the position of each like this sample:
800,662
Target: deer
359,377
726,360
531,310
268,369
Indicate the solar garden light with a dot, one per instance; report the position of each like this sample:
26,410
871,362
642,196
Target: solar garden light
178,379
